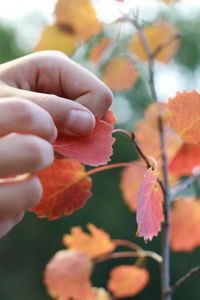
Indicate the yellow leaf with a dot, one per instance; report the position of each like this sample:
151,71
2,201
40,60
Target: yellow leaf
55,38
80,16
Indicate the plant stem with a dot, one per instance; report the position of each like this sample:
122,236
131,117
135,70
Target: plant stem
108,167
123,254
165,266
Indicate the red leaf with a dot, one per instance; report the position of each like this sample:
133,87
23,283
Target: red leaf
149,208
66,187
185,160
94,149
67,276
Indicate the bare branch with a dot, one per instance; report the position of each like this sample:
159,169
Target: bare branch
184,278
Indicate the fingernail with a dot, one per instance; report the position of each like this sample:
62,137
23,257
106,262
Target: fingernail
54,136
79,122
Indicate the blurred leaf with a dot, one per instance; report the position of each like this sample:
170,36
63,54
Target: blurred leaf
80,16
185,224
120,74
94,244
55,37
67,276
127,281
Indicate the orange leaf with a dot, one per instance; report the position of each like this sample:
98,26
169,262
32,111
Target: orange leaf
148,134
120,74
80,16
185,160
67,276
98,51
149,208
66,187
184,115
132,177
56,38
185,224
156,35
94,244
127,281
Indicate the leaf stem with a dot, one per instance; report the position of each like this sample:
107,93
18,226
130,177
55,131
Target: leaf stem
123,254
107,167
128,244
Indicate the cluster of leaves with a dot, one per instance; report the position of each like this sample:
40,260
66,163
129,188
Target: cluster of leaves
67,275
66,183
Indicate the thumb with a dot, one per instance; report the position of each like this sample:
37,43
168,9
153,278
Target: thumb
69,116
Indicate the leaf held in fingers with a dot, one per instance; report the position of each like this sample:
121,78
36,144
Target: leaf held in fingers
94,149
56,38
67,276
131,179
80,16
184,115
120,74
149,207
156,35
66,187
127,281
94,244
186,159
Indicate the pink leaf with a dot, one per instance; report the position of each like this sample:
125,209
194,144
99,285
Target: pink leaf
94,149
149,207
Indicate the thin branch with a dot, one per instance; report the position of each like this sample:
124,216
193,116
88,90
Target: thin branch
166,43
183,185
184,278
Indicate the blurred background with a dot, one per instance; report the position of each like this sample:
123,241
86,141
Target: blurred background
25,251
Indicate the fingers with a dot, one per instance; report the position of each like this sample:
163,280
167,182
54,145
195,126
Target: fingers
21,154
22,116
19,195
69,116
51,73
7,223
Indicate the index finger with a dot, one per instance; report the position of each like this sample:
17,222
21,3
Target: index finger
52,72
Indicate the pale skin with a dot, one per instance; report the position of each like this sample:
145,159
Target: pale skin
40,95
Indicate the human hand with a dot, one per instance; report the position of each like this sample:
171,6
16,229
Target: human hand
40,94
